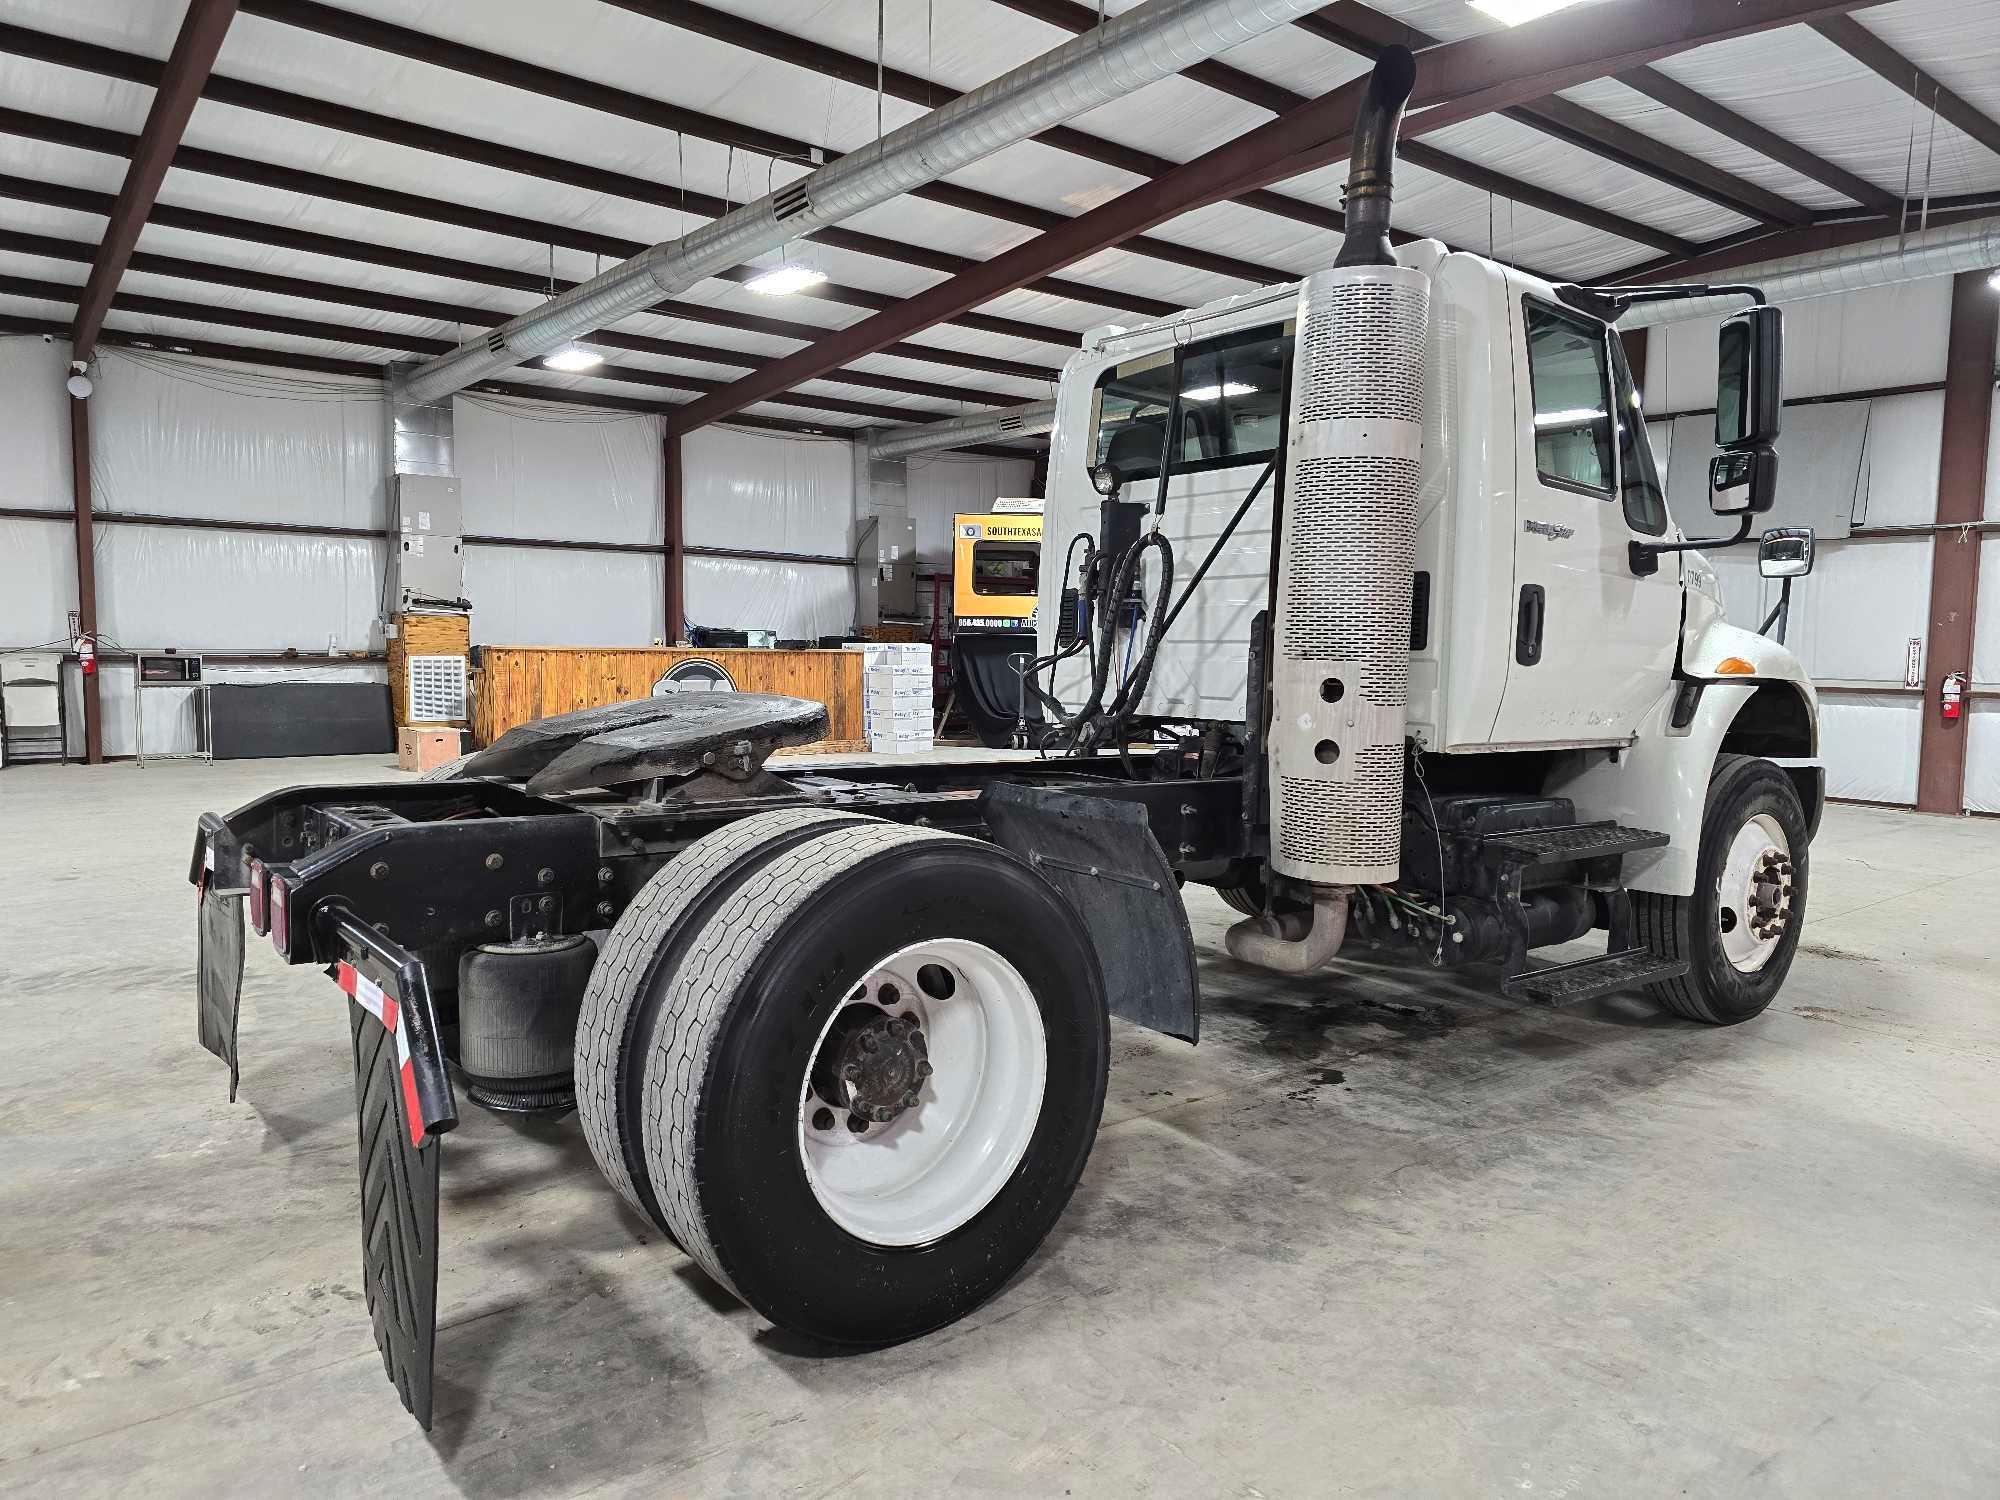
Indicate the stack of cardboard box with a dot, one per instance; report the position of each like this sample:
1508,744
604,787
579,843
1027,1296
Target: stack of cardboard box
896,701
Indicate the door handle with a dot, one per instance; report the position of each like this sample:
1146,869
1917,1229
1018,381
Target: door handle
1528,625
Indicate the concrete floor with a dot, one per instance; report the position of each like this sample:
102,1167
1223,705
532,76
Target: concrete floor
1381,1234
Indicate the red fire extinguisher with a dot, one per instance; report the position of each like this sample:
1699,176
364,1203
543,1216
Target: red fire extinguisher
1951,697
86,655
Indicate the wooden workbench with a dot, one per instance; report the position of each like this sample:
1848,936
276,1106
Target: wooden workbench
517,684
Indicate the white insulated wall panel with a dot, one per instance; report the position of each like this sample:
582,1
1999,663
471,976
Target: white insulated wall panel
1858,341
1982,757
37,558
37,582
1899,468
798,600
236,591
1869,743
545,596
945,485
539,470
766,493
200,438
1853,618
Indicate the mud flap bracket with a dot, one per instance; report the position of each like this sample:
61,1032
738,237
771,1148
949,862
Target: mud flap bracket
1102,856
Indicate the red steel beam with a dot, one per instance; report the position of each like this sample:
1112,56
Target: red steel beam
181,80
86,570
1961,505
673,499
1459,81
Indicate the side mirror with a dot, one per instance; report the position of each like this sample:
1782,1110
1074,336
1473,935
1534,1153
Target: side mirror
1743,482
1786,552
1749,397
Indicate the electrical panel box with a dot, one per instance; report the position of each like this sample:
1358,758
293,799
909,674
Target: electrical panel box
896,565
428,551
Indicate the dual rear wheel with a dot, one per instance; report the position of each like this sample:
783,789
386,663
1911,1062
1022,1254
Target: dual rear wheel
854,1069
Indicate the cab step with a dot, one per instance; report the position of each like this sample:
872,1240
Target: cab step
1560,984
1569,844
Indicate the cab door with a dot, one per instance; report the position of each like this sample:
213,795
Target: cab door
1592,641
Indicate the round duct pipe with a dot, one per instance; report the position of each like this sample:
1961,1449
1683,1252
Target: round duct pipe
958,432
1974,246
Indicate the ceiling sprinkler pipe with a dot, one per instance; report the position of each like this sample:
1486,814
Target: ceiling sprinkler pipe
1151,41
958,432
1850,268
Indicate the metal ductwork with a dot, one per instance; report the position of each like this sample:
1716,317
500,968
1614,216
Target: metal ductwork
1152,41
982,427
1851,268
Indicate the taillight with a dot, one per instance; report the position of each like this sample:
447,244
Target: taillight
281,916
260,922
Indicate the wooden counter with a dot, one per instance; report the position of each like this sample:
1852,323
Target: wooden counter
517,684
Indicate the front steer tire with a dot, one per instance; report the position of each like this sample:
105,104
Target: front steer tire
1741,788
728,1060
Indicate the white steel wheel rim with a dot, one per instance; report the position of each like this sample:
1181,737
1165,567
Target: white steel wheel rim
1753,907
934,1167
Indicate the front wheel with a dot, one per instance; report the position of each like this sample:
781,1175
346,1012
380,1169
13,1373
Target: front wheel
873,1080
1740,929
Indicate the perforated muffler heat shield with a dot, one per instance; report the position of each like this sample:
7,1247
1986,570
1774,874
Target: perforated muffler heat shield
1341,667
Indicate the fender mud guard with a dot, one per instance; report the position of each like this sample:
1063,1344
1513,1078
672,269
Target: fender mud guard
1101,855
219,976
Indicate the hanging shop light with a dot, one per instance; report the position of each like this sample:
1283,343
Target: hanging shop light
572,358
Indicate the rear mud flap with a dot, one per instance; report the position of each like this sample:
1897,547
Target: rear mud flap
1102,856
403,1104
219,976
399,1218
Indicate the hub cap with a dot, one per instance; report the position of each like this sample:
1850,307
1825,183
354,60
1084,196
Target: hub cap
923,1093
1754,895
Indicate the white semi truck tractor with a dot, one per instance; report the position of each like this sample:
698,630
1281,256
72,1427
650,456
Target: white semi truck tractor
1370,615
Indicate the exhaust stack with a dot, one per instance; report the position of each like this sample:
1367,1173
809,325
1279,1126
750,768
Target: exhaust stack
1341,657
1371,167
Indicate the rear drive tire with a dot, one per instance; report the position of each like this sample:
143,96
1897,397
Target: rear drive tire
983,1000
1740,929
643,949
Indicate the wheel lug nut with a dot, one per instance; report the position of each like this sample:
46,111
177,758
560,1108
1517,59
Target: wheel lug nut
910,1099
856,1124
923,1069
869,1042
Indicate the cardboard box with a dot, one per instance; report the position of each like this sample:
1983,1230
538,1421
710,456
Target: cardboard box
422,747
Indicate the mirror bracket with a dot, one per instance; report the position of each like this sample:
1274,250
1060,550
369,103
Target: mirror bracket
1645,556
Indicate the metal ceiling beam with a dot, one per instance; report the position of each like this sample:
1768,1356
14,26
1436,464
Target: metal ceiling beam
186,69
1677,96
1077,17
830,62
1457,81
380,338
1362,29
1755,247
476,62
440,211
211,273
109,62
1861,44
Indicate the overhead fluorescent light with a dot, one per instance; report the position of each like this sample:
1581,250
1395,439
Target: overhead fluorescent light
785,280
1211,392
1514,12
572,358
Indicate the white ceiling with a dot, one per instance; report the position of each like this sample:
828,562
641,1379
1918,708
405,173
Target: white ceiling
1791,81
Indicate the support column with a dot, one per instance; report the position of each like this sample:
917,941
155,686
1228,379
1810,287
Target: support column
86,570
1961,503
673,504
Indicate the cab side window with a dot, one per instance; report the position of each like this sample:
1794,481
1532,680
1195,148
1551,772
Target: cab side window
1569,370
1639,477
1232,400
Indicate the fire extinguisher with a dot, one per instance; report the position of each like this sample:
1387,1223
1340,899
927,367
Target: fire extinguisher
86,655
1951,697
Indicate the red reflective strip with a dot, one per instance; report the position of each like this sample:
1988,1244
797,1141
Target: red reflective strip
413,1115
344,976
391,1017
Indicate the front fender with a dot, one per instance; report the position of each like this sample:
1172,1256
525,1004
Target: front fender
1704,650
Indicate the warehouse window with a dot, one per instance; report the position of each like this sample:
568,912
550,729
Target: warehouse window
1569,370
1232,401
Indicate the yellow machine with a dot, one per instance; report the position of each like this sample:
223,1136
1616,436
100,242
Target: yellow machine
996,568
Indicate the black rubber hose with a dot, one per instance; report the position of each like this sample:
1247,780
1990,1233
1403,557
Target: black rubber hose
1371,166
